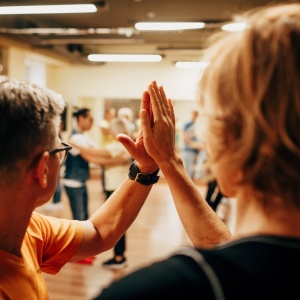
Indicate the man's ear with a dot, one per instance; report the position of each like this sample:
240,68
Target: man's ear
42,169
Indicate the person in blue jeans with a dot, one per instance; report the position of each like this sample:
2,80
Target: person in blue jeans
191,145
57,194
114,175
77,168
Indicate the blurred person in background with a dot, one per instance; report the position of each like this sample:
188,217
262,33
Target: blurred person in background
116,161
77,168
191,145
126,113
106,136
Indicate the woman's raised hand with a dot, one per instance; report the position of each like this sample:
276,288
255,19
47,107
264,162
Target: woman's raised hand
159,125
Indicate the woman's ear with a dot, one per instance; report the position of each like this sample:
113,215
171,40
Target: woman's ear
42,169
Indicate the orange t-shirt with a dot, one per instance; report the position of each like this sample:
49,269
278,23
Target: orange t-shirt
49,243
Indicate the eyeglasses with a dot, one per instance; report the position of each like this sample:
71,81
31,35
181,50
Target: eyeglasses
63,152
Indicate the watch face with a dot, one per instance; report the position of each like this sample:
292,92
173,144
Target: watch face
143,178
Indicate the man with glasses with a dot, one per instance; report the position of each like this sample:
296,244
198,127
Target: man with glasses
31,154
63,151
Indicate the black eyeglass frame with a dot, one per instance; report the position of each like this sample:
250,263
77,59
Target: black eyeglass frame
67,147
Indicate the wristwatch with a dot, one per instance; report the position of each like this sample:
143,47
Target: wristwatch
142,178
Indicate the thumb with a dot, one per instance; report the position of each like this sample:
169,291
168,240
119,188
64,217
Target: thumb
128,143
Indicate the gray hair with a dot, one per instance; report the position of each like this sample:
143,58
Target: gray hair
29,120
120,125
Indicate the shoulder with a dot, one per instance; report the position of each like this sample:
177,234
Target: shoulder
47,226
187,125
175,277
52,239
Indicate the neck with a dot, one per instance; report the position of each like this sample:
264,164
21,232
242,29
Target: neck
15,213
12,234
80,129
277,219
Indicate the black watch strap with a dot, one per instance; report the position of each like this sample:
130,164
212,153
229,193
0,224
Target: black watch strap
142,178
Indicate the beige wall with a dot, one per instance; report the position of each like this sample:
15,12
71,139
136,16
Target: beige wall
91,85
16,63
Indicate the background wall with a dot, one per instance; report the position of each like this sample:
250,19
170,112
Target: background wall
92,85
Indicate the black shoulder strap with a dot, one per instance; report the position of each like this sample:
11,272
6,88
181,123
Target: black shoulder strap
207,269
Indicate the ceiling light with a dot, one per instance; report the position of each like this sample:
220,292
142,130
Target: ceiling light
168,25
128,32
199,65
90,41
239,26
47,9
124,57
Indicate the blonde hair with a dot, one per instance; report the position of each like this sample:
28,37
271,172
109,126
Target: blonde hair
251,94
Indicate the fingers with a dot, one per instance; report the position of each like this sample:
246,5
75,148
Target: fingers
159,101
146,125
164,100
171,110
146,112
155,103
128,143
146,105
160,97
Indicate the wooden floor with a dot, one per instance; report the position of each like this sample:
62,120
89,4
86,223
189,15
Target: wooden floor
155,234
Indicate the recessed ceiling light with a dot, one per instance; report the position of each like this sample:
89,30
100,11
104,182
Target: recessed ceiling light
124,57
48,9
154,26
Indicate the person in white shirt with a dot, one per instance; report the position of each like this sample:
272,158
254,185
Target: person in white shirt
114,175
